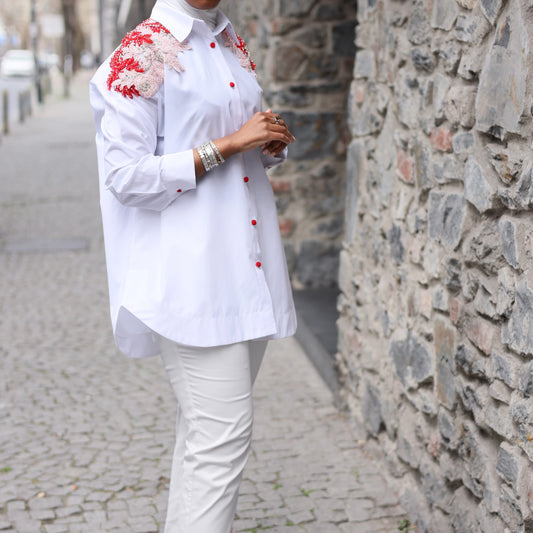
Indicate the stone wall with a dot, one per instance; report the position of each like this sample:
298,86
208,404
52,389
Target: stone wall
436,313
304,53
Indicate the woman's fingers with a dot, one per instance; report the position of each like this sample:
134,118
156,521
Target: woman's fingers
274,148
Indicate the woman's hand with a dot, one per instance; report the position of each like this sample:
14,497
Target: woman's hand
265,130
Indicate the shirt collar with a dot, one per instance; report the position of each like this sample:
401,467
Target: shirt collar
180,24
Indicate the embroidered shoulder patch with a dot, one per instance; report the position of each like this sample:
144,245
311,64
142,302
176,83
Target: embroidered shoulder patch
240,50
138,65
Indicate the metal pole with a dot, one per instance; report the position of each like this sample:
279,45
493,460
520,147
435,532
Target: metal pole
34,32
5,114
101,29
21,107
29,109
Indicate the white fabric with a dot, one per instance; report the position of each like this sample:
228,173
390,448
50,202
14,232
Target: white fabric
183,264
209,16
213,388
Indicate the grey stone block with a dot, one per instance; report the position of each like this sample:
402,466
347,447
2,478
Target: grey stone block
423,165
452,274
512,466
522,409
445,170
423,59
395,242
521,196
516,332
444,14
446,217
317,264
372,409
408,445
510,509
343,38
463,142
483,249
296,8
463,516
433,485
459,108
500,392
450,54
317,133
478,191
508,239
365,64
413,361
477,459
491,9
471,28
448,429
484,303
444,338
507,162
418,25
497,417
502,86
506,292
525,379
440,299
474,398
505,367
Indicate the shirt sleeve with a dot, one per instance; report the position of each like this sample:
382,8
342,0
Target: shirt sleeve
270,162
133,173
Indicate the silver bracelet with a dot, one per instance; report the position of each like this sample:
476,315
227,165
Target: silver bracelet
211,155
217,152
208,153
204,156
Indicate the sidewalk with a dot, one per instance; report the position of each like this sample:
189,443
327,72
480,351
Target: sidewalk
86,435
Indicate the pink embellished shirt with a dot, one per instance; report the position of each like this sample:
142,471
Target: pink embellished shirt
201,263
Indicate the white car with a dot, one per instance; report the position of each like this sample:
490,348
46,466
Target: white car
18,63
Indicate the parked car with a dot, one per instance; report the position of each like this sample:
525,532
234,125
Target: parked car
18,63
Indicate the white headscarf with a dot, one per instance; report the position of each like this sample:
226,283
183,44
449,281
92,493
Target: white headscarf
209,16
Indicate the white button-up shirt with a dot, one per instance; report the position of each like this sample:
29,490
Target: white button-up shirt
200,262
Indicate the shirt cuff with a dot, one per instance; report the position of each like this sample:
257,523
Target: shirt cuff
178,173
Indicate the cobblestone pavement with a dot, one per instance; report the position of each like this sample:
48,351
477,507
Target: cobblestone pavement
86,434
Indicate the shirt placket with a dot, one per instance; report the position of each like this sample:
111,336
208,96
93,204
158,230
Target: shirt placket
237,114
229,82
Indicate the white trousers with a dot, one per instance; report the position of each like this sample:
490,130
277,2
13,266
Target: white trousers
213,388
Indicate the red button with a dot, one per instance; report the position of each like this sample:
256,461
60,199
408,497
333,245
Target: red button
258,264
231,84
246,179
179,190
213,45
254,222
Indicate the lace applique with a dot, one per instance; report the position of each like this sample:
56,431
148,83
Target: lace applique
240,50
138,66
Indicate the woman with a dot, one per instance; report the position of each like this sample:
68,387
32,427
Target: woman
195,261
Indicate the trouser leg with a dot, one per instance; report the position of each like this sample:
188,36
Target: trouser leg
213,387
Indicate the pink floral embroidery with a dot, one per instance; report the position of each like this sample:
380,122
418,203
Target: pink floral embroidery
138,65
240,50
